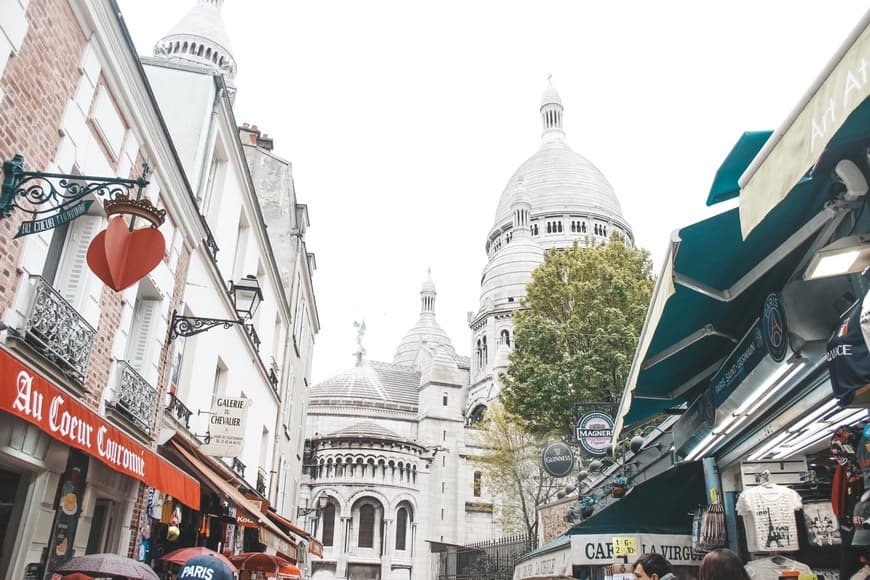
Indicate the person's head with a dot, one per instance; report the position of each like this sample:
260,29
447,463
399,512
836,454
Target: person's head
651,567
722,564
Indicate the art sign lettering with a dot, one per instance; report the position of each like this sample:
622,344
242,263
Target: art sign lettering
48,223
594,431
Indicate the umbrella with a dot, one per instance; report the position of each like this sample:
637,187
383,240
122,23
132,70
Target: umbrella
290,571
260,562
182,555
109,565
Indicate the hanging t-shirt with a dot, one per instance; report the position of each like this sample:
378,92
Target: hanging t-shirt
769,517
848,355
771,568
822,527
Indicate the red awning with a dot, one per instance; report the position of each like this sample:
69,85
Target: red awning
26,394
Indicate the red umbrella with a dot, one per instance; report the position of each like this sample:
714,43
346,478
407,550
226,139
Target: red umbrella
260,562
182,555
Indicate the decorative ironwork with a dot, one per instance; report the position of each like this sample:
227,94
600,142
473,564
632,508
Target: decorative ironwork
238,466
122,204
190,325
209,241
491,559
179,410
273,374
252,334
261,482
57,331
56,198
134,396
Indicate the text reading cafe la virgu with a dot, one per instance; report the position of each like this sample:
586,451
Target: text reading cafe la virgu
756,343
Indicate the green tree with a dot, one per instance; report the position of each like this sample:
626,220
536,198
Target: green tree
576,333
509,459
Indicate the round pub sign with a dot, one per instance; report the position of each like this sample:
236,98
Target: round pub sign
558,459
594,431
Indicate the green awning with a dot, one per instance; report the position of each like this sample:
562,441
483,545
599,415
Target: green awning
657,506
725,184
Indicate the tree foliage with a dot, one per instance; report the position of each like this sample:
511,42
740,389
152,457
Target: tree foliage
576,333
510,462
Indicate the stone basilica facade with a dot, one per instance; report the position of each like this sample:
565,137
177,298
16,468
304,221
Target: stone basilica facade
390,445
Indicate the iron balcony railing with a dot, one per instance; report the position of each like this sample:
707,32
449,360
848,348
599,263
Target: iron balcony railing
210,243
179,410
57,331
134,397
261,482
238,466
273,374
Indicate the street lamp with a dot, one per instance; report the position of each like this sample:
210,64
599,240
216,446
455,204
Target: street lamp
246,295
318,507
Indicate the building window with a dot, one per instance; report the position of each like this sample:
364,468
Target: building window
442,487
328,525
444,435
366,526
478,477
442,514
444,400
401,528
506,337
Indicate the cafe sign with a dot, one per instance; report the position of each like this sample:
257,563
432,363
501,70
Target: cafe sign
604,549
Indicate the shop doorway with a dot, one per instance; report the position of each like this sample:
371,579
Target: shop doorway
101,538
12,486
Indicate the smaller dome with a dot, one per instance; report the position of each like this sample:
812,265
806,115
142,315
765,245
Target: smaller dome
508,273
551,95
428,285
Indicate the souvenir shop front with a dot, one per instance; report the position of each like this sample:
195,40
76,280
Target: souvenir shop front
757,334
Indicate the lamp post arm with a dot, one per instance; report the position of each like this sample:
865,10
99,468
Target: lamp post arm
191,325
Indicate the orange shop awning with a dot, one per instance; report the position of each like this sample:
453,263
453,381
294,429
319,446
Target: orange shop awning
229,490
26,394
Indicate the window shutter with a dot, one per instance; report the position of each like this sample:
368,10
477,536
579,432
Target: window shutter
140,342
74,268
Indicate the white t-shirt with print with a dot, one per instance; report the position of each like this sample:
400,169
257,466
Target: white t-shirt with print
770,569
769,517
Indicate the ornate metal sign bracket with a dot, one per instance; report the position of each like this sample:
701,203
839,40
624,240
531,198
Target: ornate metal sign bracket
53,199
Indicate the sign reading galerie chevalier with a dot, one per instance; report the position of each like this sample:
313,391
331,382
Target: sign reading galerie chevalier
594,431
28,396
557,458
226,427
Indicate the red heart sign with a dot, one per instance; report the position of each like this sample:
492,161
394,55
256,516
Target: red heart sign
120,258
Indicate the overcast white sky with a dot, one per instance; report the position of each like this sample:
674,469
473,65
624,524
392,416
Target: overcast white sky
404,121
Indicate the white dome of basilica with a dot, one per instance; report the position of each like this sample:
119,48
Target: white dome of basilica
200,37
426,332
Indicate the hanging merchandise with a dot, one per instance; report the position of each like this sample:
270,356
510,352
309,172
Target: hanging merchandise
173,531
848,355
713,528
203,526
769,514
822,529
697,526
166,510
777,567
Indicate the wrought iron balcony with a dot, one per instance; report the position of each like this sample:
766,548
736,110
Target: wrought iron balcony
261,482
210,243
134,397
255,338
238,466
273,374
57,331
179,410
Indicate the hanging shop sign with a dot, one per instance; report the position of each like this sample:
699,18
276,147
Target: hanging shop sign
696,423
554,564
746,355
601,549
28,396
594,431
773,328
226,427
557,459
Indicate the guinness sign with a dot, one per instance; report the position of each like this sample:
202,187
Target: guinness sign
557,458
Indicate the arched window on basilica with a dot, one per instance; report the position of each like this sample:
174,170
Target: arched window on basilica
506,337
478,483
367,521
328,516
476,416
404,516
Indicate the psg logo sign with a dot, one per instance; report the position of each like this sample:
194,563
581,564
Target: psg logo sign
774,329
594,431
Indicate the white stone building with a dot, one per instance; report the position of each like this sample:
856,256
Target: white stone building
390,445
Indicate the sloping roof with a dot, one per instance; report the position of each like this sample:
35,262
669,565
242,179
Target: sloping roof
374,381
366,429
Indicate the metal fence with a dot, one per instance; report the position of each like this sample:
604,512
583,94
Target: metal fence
487,560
